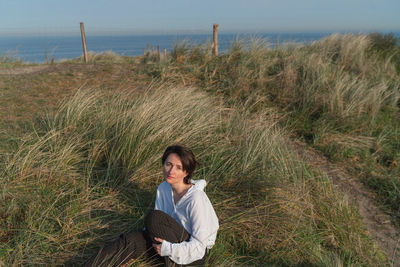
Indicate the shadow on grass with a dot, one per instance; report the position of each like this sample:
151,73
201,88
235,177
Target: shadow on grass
139,200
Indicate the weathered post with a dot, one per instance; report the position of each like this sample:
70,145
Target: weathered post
147,49
84,43
47,60
165,52
277,43
215,39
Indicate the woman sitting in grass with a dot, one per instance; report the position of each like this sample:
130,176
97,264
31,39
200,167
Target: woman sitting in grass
181,229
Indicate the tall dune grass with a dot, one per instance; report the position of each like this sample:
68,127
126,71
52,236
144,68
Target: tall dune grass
102,57
90,173
336,75
9,59
339,94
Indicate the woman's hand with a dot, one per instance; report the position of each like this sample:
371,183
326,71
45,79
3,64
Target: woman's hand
157,247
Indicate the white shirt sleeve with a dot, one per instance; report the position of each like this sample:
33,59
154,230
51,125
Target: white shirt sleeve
204,226
158,204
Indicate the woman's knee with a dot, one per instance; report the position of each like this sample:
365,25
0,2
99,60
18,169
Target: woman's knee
161,225
154,218
158,224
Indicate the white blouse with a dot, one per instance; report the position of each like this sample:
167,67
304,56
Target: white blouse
196,214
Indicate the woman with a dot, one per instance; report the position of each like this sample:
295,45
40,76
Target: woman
183,226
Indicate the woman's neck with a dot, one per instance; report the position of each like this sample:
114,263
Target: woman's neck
180,190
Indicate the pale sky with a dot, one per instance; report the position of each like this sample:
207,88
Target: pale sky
174,16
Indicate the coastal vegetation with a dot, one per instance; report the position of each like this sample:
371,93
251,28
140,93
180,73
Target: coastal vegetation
8,60
76,176
340,94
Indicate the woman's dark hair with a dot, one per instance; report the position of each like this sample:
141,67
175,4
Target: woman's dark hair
186,155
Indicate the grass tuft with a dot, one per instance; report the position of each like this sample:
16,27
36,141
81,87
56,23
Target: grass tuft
340,94
91,170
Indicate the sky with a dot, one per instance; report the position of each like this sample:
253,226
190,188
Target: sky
196,16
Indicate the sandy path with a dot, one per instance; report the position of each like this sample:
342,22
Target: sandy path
22,70
378,223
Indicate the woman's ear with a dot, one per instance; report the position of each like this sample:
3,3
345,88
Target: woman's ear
186,179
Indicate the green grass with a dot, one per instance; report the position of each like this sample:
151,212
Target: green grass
75,178
104,57
340,94
8,60
90,172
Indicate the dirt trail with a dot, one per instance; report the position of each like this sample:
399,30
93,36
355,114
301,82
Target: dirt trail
23,70
378,223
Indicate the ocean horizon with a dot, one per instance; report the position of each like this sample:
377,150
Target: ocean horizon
35,49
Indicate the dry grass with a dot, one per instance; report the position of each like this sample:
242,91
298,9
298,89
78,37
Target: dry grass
103,57
88,172
92,170
338,94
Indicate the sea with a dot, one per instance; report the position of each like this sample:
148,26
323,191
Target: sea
35,49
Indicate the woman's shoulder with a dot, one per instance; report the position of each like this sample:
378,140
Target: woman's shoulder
164,186
198,203
197,194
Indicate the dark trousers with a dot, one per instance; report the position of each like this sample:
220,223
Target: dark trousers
139,244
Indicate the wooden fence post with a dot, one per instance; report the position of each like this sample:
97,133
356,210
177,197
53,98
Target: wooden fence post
215,39
165,52
277,43
84,43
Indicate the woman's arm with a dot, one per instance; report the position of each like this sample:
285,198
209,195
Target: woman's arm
204,230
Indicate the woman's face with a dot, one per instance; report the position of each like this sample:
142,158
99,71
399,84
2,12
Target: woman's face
173,170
